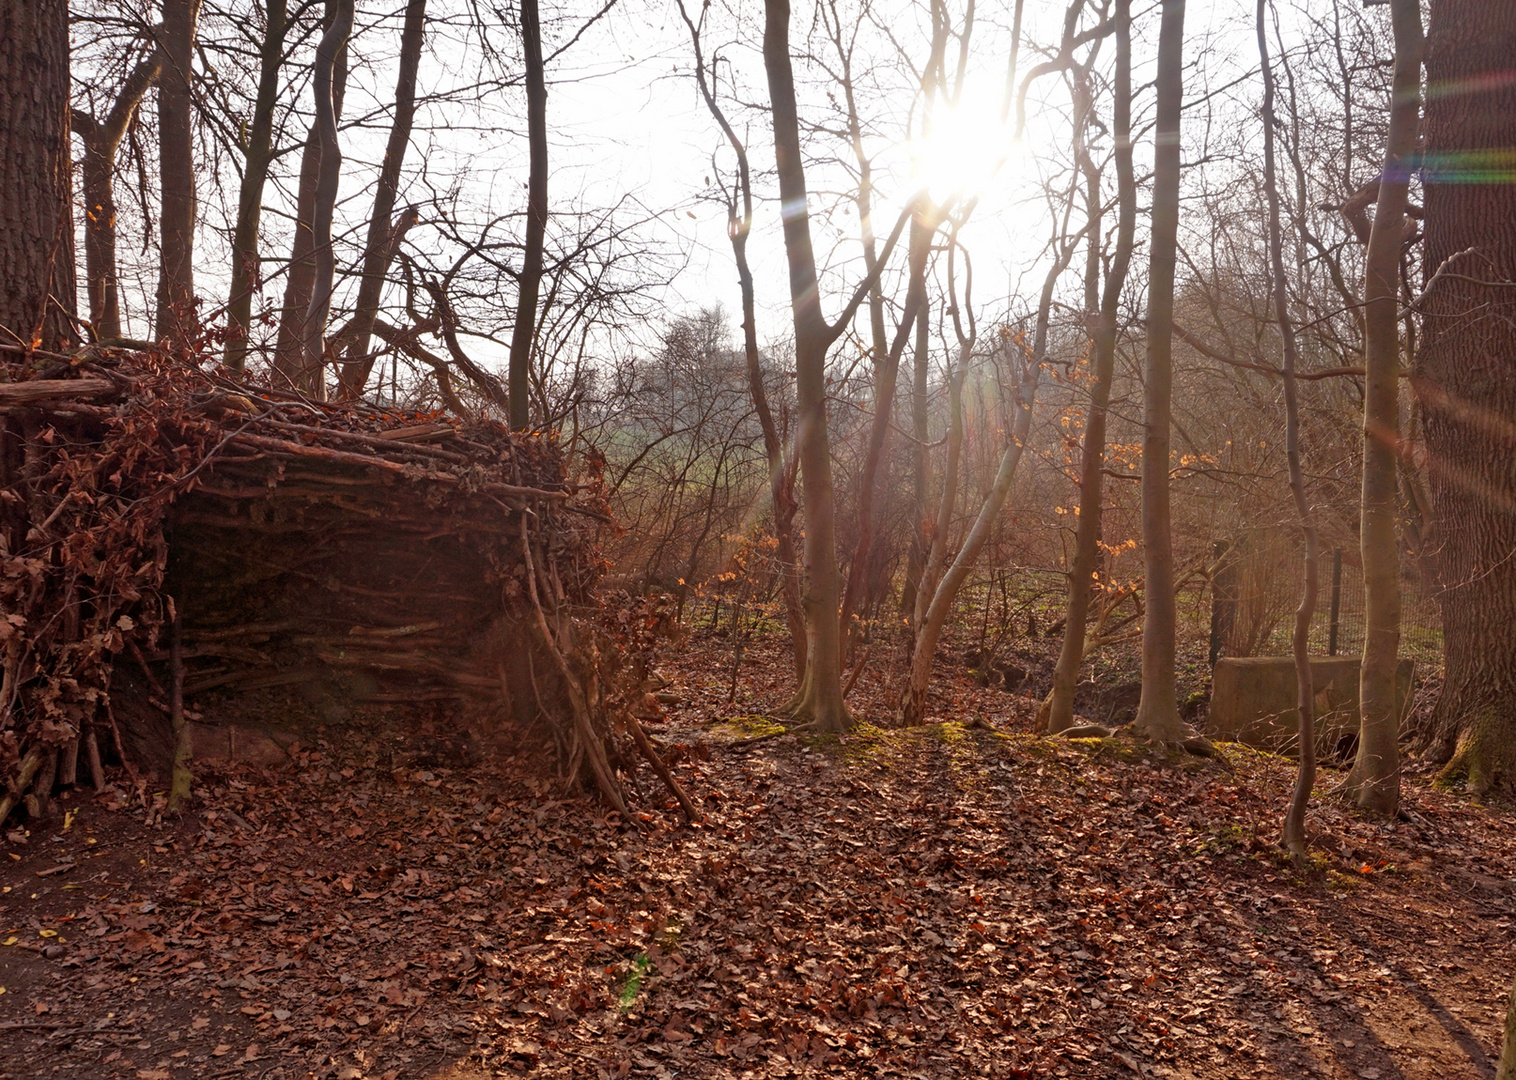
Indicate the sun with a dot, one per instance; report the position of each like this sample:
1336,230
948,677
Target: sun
962,148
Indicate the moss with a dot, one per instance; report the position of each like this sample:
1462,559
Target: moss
949,731
1114,749
747,727
1483,756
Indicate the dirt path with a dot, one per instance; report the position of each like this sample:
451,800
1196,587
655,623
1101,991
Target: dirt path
945,902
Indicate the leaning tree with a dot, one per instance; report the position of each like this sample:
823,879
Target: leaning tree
1465,375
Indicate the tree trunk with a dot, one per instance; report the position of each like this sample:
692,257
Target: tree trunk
176,321
36,252
246,269
1158,708
782,497
1293,834
934,599
102,139
887,368
1466,379
819,701
1092,466
916,555
1374,782
524,332
382,239
328,177
289,351
1506,1070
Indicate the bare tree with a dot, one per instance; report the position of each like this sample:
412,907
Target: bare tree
1374,782
102,139
1293,834
819,701
1060,708
259,155
1158,710
384,235
530,277
176,320
739,217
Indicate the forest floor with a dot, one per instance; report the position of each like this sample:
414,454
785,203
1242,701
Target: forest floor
954,900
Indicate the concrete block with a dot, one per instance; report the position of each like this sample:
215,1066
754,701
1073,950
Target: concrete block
1253,700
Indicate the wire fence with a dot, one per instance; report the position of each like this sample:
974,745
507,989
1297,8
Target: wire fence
1256,587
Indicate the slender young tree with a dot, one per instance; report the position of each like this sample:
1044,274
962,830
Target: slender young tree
36,256
327,180
176,321
739,226
289,353
258,156
1293,835
528,282
1158,708
1092,463
819,702
102,139
1374,782
384,235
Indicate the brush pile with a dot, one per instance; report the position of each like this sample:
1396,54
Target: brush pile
188,535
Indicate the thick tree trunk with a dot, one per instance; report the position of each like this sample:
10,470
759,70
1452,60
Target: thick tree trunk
383,241
102,138
246,268
328,177
1092,465
176,321
36,253
1158,708
1466,379
1374,782
819,701
524,332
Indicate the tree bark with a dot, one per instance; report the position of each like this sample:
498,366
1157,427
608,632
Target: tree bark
782,498
328,177
289,351
1293,834
176,322
383,241
934,599
246,268
36,251
1466,380
1374,782
102,139
1158,708
524,332
924,223
920,431
1506,1069
819,701
1092,464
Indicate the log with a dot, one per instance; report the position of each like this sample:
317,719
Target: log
68,763
92,757
24,393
